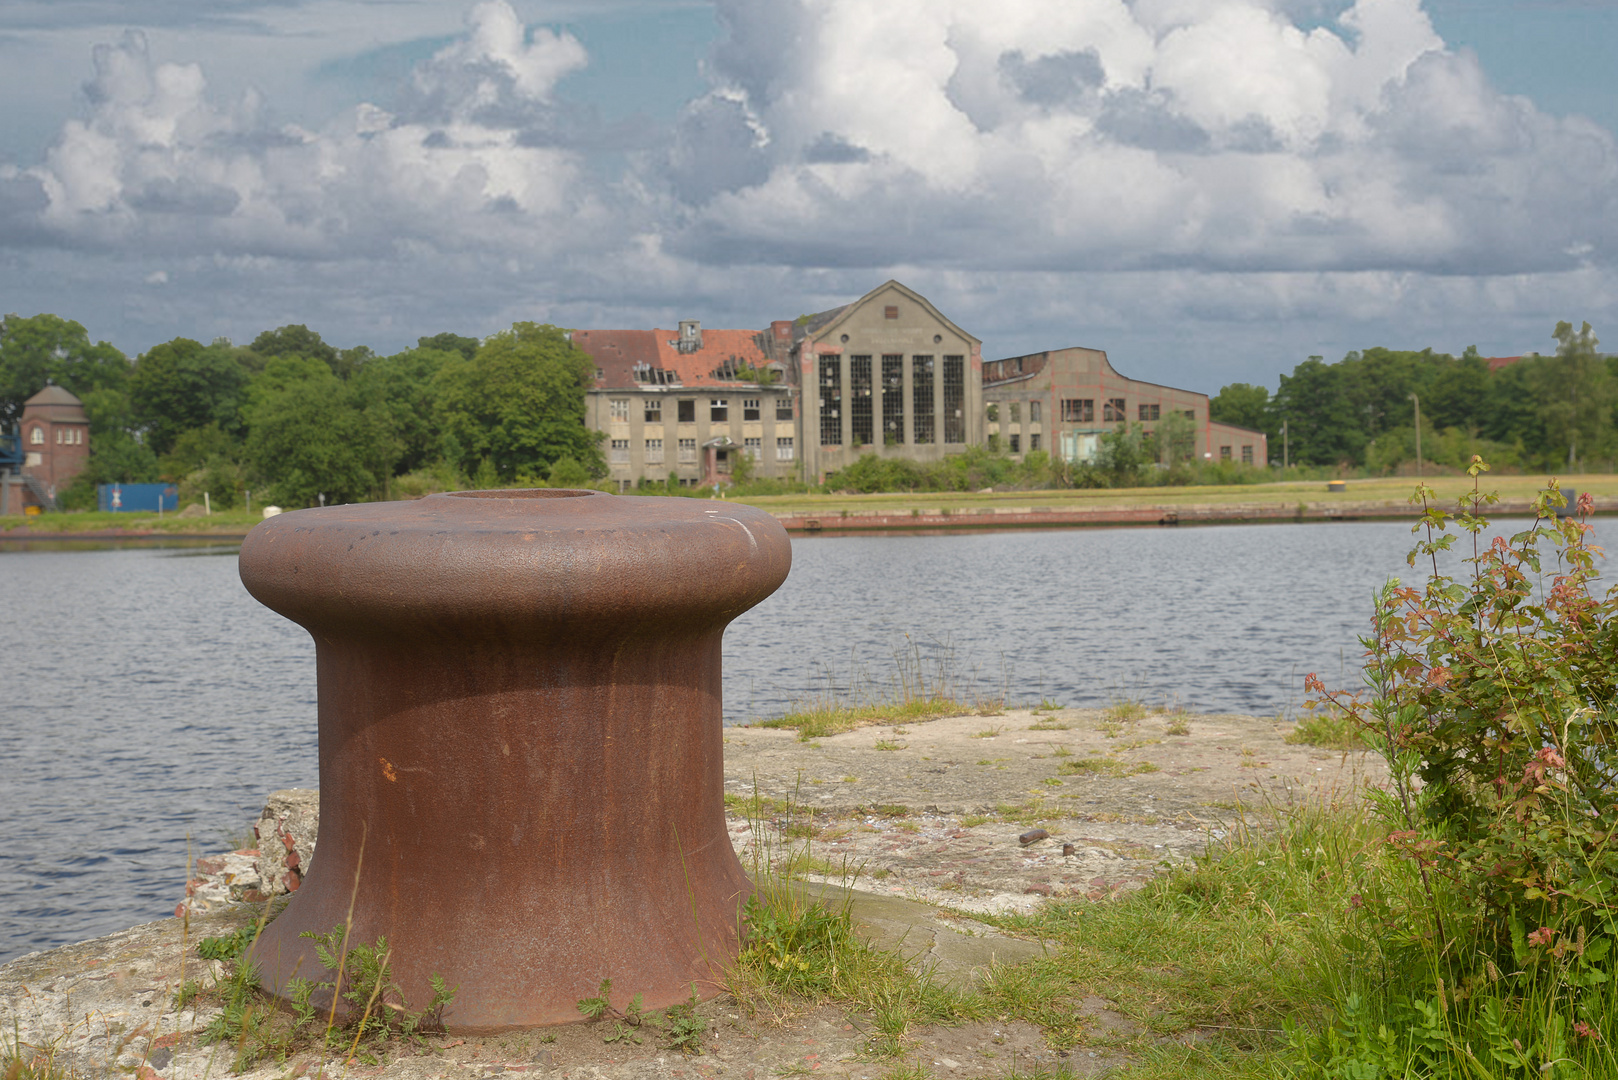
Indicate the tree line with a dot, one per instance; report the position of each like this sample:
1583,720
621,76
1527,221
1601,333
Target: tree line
1538,413
291,418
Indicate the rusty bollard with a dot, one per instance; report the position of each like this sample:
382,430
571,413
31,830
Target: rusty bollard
520,722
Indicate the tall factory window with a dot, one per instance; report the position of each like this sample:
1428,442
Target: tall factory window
831,400
954,399
921,397
859,400
1079,410
893,399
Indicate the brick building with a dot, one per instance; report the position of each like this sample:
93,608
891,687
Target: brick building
685,403
1062,401
887,374
54,435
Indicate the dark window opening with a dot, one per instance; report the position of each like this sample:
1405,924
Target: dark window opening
1033,412
1114,410
1247,455
1015,444
783,407
1224,453
921,397
1191,414
954,399
688,410
859,400
993,412
750,409
1150,412
654,411
718,411
831,400
893,400
1079,410
1033,441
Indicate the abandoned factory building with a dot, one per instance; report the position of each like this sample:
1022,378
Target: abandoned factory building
1063,400
887,374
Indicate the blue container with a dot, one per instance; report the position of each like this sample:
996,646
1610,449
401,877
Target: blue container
137,498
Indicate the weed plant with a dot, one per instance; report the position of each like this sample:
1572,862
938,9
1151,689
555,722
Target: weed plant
920,689
1481,939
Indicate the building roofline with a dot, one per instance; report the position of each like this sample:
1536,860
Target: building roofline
848,310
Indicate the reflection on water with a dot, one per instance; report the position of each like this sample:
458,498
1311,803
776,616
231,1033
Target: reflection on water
149,699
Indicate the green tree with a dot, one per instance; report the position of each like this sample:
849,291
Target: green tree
1458,395
1177,436
296,339
307,436
1575,395
520,403
183,384
400,389
46,348
1245,406
466,346
1320,430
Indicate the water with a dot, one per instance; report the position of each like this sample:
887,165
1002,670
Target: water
147,698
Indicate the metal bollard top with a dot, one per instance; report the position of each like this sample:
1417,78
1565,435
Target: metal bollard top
547,561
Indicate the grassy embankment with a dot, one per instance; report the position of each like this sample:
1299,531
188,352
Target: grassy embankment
1392,491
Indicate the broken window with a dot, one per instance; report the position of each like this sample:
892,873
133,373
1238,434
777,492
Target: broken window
783,448
750,408
1224,453
754,448
921,396
1015,444
620,409
1191,414
654,451
859,400
954,399
1079,410
1149,412
893,399
1114,410
718,410
993,412
620,452
688,451
688,410
1015,414
783,407
1247,455
1033,442
1033,412
831,400
654,410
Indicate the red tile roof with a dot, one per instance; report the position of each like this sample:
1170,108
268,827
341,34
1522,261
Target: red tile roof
618,353
1498,362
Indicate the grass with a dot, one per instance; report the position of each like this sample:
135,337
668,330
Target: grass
1329,730
1109,767
819,721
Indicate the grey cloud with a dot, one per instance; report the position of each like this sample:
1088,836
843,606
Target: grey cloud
715,149
188,197
68,14
1061,79
832,149
22,200
1139,118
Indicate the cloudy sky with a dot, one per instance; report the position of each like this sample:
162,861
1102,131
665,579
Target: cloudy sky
1210,190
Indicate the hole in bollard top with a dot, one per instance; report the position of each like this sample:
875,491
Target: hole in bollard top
523,493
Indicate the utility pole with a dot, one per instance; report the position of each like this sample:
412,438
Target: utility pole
1417,400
